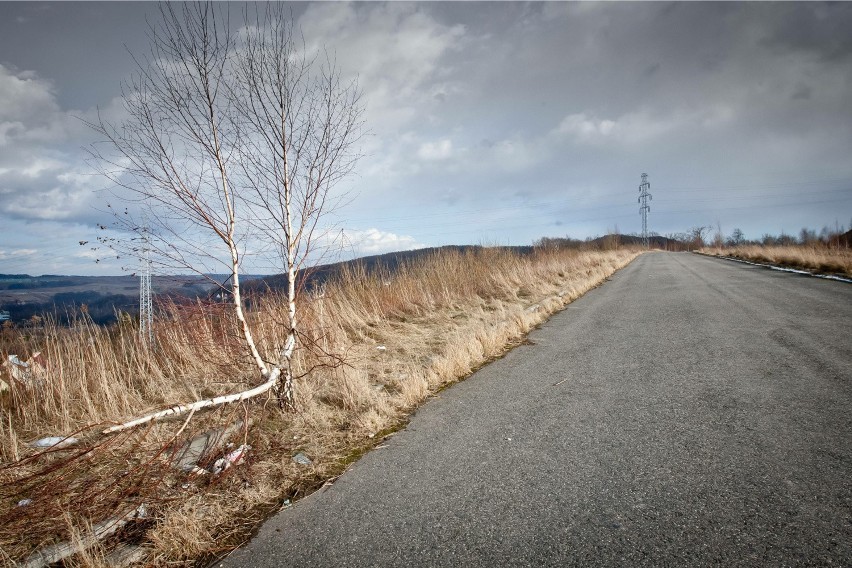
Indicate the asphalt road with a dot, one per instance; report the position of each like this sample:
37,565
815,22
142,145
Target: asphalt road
690,412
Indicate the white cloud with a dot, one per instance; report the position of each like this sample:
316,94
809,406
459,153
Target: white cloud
24,96
43,174
38,166
394,44
91,254
374,241
516,154
398,51
432,151
17,253
642,126
585,127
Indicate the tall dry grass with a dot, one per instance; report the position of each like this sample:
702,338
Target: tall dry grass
377,344
816,258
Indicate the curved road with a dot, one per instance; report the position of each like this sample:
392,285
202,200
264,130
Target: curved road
690,412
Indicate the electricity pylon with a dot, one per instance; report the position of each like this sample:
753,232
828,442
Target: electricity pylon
644,208
146,309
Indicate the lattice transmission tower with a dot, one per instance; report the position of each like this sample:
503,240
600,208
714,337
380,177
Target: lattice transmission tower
146,308
644,208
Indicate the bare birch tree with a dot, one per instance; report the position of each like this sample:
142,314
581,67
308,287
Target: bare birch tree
696,235
233,140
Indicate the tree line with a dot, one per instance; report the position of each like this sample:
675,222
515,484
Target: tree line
705,235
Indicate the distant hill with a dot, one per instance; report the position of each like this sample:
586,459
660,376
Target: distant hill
389,261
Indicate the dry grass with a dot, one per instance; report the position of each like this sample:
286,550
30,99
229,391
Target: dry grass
402,336
819,259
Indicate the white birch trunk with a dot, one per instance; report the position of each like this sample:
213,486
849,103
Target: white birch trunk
179,409
286,398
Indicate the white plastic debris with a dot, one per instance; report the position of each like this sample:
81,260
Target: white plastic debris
235,457
302,459
54,442
27,373
381,347
194,469
19,370
24,502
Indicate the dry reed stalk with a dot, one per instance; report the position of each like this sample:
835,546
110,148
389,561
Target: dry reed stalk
402,335
816,258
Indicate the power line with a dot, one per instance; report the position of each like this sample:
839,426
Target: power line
673,189
751,207
757,186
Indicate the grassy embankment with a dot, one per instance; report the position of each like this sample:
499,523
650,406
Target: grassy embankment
400,337
818,259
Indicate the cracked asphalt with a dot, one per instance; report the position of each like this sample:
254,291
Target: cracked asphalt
689,412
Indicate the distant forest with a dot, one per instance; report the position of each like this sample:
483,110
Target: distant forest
64,297
27,282
66,305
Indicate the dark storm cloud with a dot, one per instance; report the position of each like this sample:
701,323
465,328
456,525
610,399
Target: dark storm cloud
80,46
822,29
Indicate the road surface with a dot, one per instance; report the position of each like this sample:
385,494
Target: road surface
690,412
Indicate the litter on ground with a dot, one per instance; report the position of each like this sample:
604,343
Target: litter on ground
54,442
302,459
235,457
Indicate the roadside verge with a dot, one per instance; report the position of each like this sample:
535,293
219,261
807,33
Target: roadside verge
790,269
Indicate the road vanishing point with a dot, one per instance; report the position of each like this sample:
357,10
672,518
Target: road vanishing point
691,411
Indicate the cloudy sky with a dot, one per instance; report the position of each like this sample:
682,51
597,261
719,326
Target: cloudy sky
493,123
